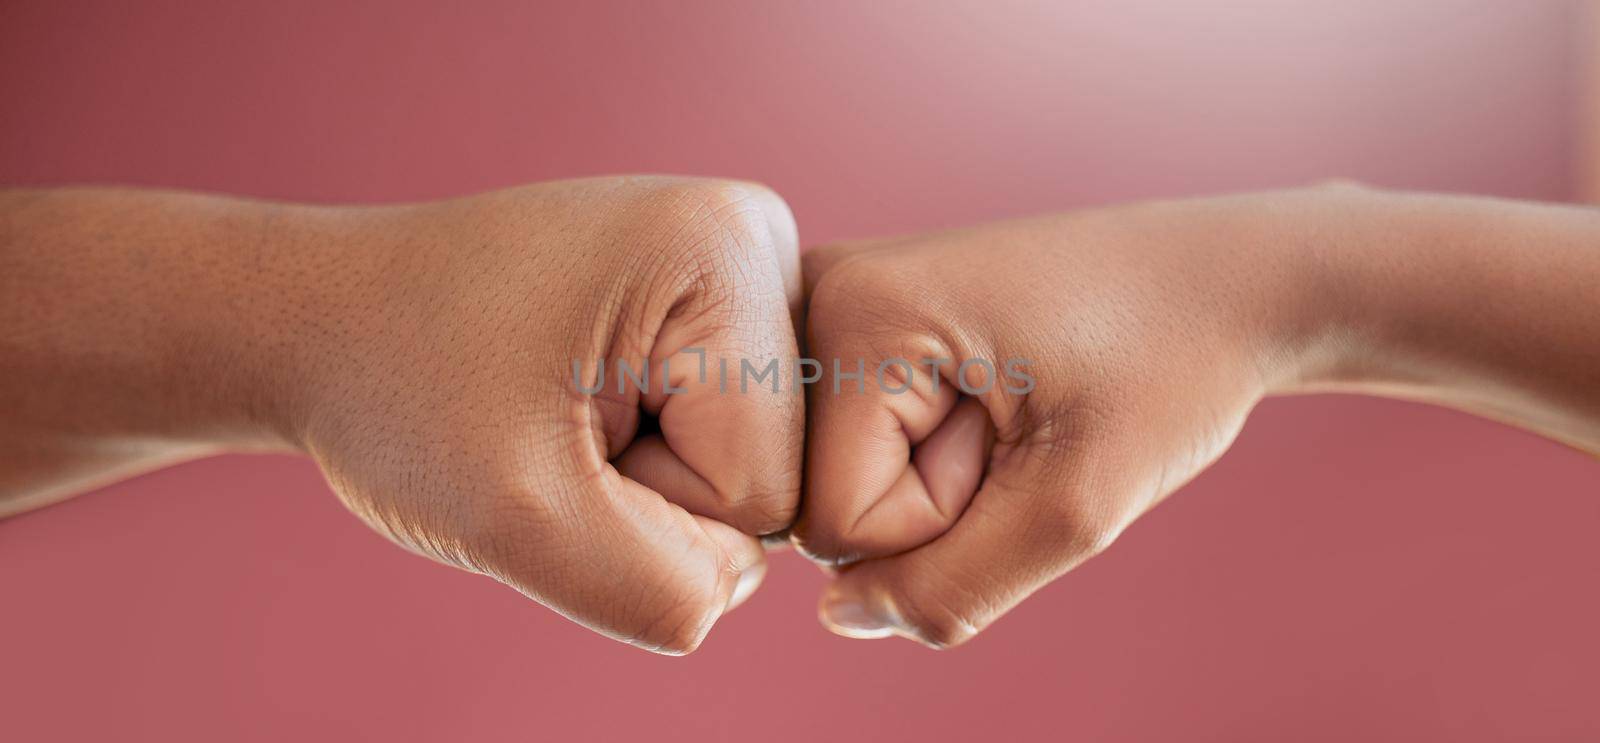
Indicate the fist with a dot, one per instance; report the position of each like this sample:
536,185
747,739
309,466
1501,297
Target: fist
455,375
1065,374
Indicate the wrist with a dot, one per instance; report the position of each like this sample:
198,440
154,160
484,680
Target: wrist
1279,265
1371,295
1335,334
1476,303
228,330
231,346
290,320
132,331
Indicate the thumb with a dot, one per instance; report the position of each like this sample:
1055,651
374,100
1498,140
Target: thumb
1031,521
667,575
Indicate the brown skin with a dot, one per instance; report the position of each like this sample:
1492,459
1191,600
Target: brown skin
422,355
1152,330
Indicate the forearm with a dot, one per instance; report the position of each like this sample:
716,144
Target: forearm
1486,305
133,329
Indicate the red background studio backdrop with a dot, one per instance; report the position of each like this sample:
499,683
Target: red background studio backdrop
1354,570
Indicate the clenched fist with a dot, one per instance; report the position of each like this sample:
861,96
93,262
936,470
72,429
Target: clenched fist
424,356
530,384
947,490
446,413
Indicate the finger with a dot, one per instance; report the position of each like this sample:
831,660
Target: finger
740,552
614,556
863,496
731,426
951,460
1027,525
928,496
648,460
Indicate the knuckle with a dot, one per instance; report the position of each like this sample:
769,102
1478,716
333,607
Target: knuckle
823,537
766,509
945,614
825,544
898,376
759,510
867,301
716,225
944,629
679,633
861,281
502,539
1093,538
674,619
763,495
833,535
1080,525
819,261
707,246
1073,499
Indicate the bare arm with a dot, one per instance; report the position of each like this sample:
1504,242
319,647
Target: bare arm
1486,305
422,355
1152,331
136,327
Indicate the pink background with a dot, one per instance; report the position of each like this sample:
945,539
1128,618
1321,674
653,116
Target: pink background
1353,570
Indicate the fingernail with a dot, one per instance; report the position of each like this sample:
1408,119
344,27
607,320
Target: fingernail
749,581
847,615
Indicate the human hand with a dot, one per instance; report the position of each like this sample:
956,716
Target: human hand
428,353
423,355
1148,332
